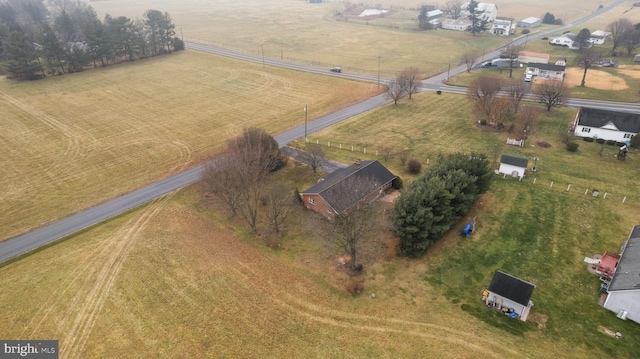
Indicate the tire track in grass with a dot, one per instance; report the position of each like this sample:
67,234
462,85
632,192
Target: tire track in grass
74,146
91,304
370,323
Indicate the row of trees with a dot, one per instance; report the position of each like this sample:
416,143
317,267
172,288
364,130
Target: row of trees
32,45
624,34
434,203
240,178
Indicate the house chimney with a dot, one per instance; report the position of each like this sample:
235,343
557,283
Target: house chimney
356,164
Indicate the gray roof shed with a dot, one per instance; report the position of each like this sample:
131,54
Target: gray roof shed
514,160
627,274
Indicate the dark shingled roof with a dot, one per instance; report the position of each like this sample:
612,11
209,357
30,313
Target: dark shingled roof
627,275
624,121
367,169
512,288
514,160
548,67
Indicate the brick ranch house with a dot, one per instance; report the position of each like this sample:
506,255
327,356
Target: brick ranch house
326,196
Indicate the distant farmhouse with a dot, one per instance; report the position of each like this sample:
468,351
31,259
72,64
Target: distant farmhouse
623,293
568,40
456,24
489,11
326,197
547,71
529,22
607,125
503,27
598,37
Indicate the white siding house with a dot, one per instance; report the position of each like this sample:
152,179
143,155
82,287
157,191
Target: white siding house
598,37
503,27
458,24
623,294
509,294
568,40
514,166
607,125
547,71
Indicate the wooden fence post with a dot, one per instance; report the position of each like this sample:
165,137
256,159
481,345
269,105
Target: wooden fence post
568,187
551,185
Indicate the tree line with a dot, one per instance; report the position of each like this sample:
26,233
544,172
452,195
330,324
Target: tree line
67,36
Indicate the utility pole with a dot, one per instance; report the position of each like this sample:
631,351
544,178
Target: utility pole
263,55
378,70
448,68
305,124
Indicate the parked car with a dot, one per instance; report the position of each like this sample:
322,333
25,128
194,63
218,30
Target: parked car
336,69
528,78
488,64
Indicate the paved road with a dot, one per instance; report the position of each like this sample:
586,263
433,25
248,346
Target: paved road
37,238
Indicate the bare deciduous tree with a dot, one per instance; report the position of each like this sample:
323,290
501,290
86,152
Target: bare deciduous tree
314,157
395,91
516,92
278,205
527,121
241,174
454,7
219,179
511,54
403,156
585,59
387,153
469,59
631,39
551,93
350,227
484,92
409,79
618,28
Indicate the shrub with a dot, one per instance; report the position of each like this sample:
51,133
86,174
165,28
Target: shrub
572,147
483,122
635,141
296,196
559,22
414,166
544,38
599,140
620,144
355,286
611,142
525,31
397,183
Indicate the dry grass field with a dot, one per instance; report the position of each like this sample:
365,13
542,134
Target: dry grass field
71,142
179,278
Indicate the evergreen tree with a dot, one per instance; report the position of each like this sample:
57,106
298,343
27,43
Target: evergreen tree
22,59
478,20
52,52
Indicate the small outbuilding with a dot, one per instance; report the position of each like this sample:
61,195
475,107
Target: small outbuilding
530,22
510,295
514,166
636,58
623,293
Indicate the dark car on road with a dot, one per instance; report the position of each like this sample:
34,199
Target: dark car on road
336,69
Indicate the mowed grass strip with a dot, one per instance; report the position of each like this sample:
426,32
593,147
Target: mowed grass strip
73,141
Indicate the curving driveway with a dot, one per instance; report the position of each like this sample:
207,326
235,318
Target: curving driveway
50,233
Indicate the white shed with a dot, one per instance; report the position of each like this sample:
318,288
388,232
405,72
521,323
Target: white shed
510,295
514,166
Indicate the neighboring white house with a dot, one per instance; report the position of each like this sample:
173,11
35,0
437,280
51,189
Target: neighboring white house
561,61
514,166
598,37
568,40
530,22
528,56
547,71
456,24
509,294
636,58
623,294
503,27
608,125
489,11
